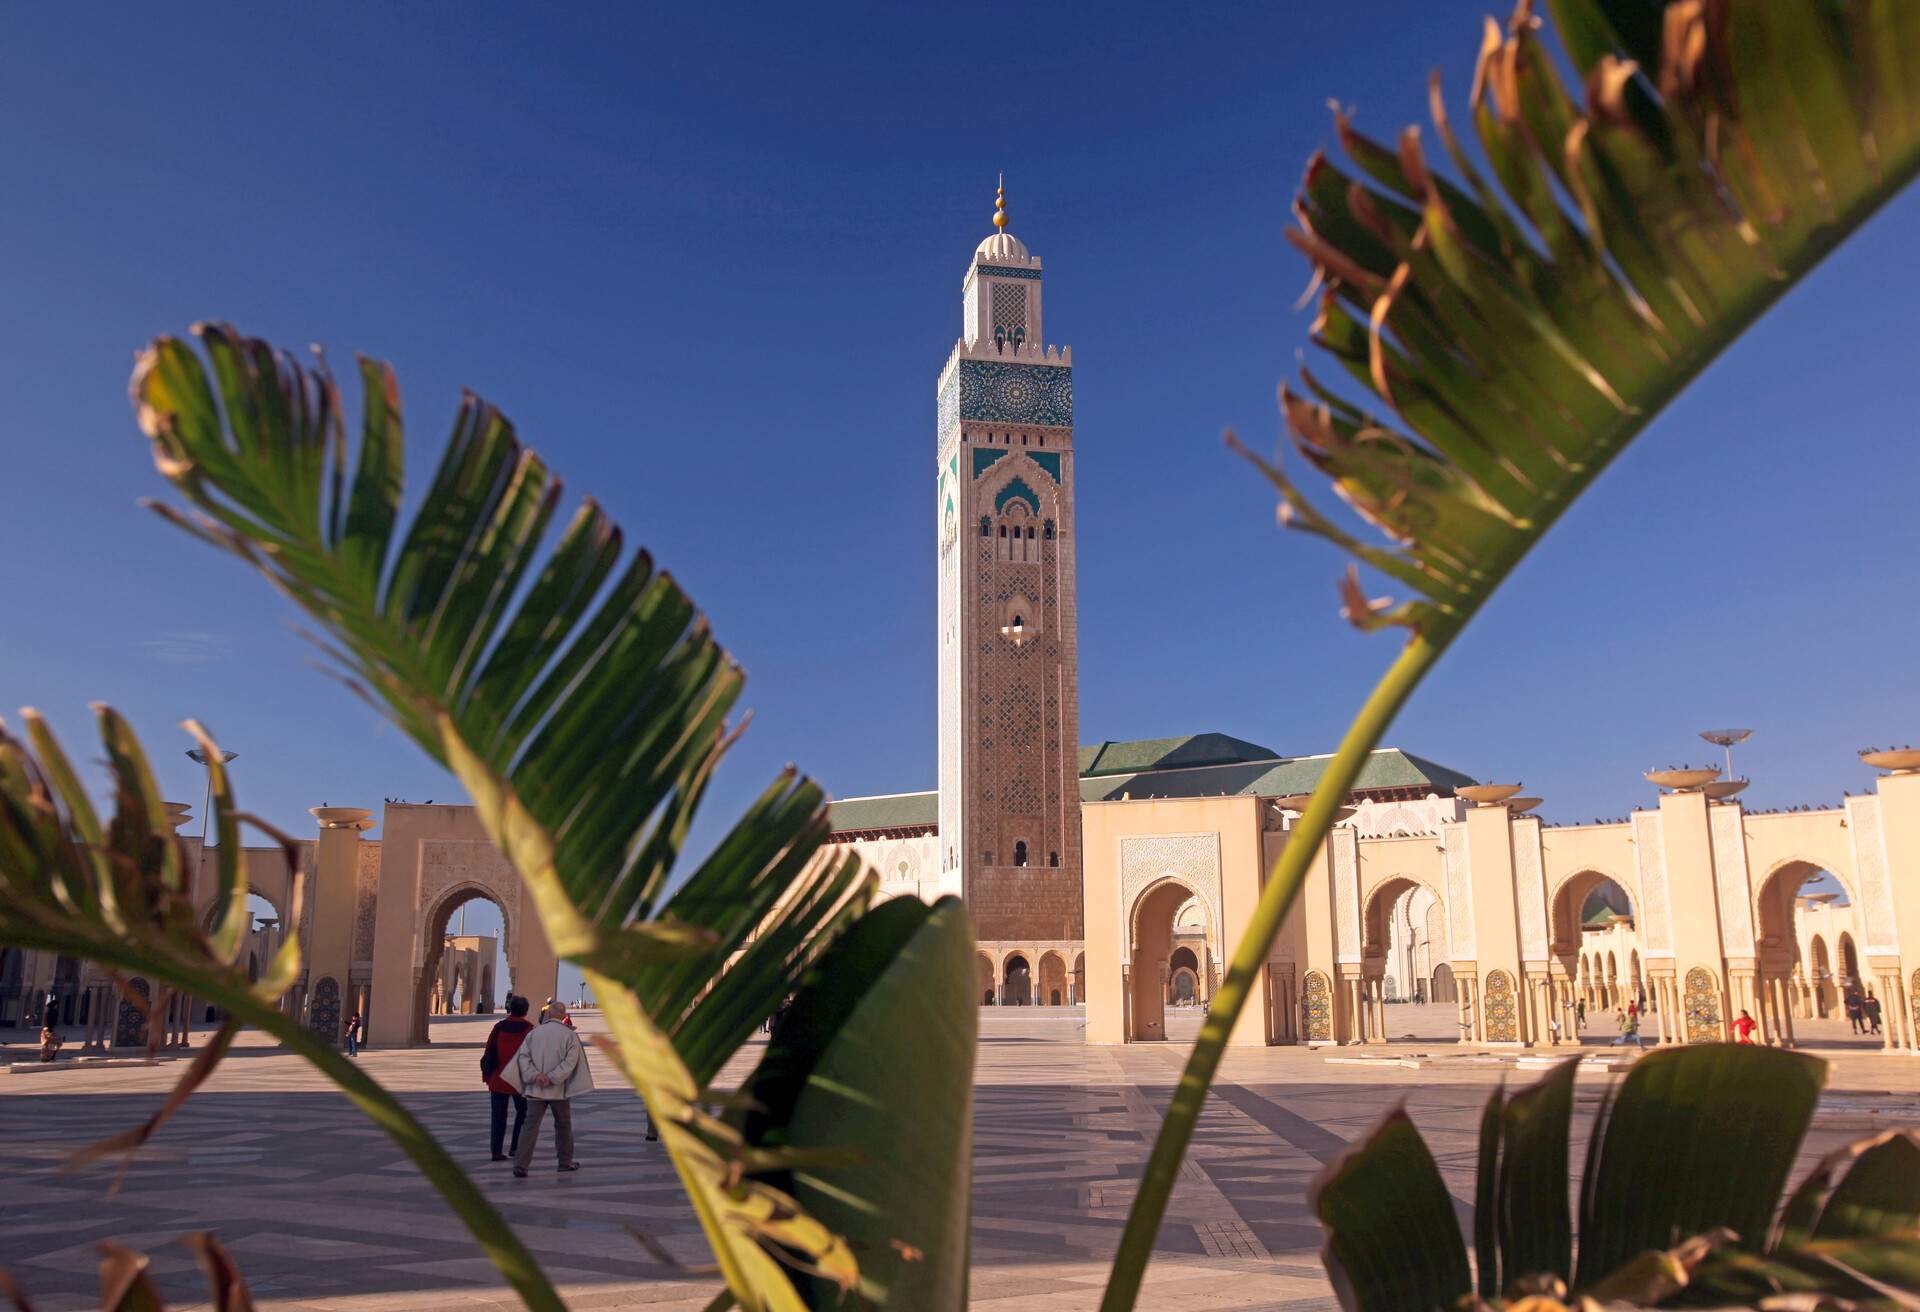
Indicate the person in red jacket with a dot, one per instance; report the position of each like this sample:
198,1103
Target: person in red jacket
1743,1029
502,1043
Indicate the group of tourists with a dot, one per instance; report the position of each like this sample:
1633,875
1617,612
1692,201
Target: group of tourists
1863,1011
539,1068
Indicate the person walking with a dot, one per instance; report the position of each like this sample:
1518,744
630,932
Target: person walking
503,1042
550,1068
1856,1011
1870,1007
50,1035
1743,1028
1580,1015
353,1033
1630,1031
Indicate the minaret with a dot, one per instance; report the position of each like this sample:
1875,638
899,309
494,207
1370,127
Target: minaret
1009,675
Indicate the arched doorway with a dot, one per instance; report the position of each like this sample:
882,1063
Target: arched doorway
265,935
1017,982
1079,979
459,973
1053,980
1183,977
983,973
1825,988
1779,922
1442,987
1154,934
1591,923
1402,937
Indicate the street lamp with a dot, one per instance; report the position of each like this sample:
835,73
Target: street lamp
1727,739
199,757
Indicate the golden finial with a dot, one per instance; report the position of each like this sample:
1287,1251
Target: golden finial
1000,205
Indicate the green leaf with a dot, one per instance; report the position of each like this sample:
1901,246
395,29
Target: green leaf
899,982
114,895
584,707
1699,1137
1869,1187
1486,1225
1392,1241
1530,1201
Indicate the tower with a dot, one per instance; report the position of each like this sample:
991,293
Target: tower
1009,675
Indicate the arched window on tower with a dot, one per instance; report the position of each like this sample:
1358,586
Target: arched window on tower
986,526
1047,532
1053,858
1020,852
1003,530
1029,532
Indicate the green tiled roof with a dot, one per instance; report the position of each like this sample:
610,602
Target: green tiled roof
893,811
1169,754
1202,765
1389,767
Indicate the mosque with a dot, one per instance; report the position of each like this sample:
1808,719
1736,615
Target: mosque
1118,876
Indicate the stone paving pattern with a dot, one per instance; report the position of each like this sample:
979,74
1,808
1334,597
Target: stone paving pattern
322,1212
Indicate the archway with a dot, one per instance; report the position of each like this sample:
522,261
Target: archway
1587,915
1153,938
1079,979
983,975
1053,980
1442,986
1778,923
1826,994
472,982
1017,989
1402,938
1613,983
1183,977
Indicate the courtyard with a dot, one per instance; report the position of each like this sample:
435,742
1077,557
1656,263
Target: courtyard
321,1210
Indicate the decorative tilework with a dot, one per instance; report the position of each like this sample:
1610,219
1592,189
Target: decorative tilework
1730,874
1316,1006
1653,916
1017,488
1016,393
1459,892
1501,1016
1002,271
323,1014
984,456
1702,1005
1047,460
949,409
130,1025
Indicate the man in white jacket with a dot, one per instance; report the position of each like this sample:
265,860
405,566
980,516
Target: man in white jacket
550,1069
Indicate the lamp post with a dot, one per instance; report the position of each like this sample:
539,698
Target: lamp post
199,757
1726,739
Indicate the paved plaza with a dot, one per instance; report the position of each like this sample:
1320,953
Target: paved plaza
322,1211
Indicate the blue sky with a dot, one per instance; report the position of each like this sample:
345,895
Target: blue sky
710,261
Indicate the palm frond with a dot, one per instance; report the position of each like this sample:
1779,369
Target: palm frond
120,894
1524,323
584,704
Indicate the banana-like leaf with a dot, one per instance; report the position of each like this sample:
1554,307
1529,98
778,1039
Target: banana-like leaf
1699,1138
1531,1212
584,705
1516,320
1392,1241
839,1071
1867,1188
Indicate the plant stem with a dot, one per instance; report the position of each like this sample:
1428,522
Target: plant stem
1276,899
487,1226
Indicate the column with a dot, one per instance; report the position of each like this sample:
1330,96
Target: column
1889,998
1786,1017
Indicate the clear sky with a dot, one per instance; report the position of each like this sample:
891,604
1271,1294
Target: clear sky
709,259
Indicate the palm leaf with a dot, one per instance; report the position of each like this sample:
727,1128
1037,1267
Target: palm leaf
582,702
118,894
1513,322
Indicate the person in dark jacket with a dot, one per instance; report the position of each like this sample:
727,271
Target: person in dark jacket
502,1043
